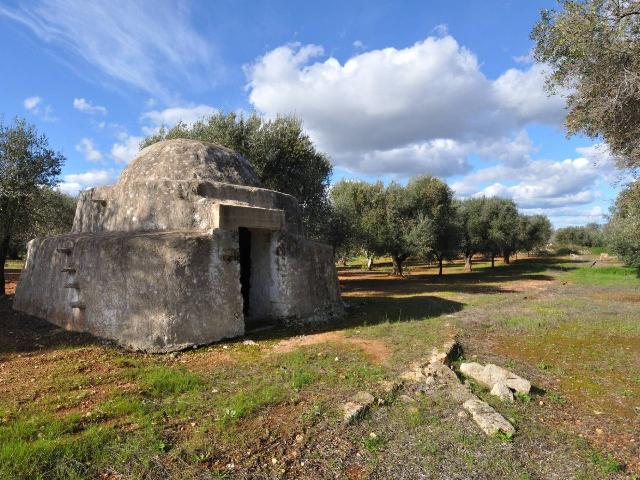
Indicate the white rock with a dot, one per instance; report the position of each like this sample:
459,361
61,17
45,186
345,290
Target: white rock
353,411
498,374
501,391
491,374
489,421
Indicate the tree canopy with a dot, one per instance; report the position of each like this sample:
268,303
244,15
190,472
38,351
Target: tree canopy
29,169
623,230
593,50
280,151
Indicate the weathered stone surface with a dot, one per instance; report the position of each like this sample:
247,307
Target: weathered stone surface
491,374
154,260
497,374
353,411
364,398
503,392
357,407
415,375
489,421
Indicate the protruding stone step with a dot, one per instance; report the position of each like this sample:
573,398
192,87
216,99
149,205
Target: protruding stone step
64,250
68,270
75,285
78,305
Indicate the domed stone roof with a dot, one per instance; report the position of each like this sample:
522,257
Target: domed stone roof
183,159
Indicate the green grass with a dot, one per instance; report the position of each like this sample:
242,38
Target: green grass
599,250
14,264
605,276
160,381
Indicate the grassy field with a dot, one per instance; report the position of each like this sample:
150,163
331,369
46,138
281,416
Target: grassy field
75,407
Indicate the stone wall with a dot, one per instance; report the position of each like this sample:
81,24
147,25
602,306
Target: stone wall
150,291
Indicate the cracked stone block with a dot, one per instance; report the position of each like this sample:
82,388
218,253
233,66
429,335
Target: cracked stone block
503,392
489,421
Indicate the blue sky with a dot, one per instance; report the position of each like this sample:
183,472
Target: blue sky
388,90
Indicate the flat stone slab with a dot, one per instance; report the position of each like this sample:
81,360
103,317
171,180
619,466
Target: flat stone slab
490,374
489,421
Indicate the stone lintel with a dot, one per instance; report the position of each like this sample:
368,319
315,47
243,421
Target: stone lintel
231,217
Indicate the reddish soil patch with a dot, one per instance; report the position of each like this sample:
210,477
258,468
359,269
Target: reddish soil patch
10,282
375,350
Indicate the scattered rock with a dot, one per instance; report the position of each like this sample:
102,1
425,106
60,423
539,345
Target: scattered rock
249,342
357,407
388,388
462,414
501,391
415,375
353,411
489,421
364,398
491,374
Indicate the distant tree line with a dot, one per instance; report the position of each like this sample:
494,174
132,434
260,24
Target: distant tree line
589,235
422,219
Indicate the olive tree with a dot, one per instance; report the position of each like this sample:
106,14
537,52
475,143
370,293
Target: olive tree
502,234
362,206
435,231
282,154
592,48
474,221
623,230
534,232
29,168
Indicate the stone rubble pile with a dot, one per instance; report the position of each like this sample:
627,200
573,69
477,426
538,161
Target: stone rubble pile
436,372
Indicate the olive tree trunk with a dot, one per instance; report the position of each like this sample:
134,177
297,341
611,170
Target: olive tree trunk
467,262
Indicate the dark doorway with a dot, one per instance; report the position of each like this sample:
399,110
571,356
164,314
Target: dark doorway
245,268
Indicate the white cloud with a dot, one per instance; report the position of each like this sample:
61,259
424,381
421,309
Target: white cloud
171,116
151,46
86,106
521,93
38,107
89,151
404,100
441,157
75,182
544,186
31,103
127,148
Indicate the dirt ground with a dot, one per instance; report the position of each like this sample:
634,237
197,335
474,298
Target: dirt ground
271,407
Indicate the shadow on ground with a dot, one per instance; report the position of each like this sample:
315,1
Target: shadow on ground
483,280
20,333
